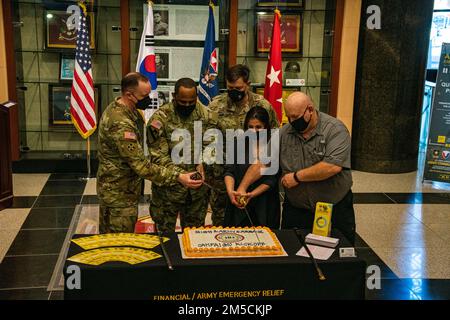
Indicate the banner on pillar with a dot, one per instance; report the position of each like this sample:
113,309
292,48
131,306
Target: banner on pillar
437,162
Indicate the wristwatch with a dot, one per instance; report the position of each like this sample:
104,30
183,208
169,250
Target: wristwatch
296,178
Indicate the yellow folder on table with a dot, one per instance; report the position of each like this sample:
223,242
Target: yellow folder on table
322,219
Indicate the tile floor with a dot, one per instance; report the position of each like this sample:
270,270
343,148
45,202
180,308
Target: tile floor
403,226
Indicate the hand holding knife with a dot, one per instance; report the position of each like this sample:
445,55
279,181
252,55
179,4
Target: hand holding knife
241,200
198,176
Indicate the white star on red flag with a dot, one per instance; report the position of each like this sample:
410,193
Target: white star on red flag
274,76
273,89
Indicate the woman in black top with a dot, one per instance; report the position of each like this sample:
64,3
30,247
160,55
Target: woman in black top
262,199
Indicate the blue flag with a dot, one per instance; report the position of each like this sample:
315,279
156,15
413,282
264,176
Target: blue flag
208,84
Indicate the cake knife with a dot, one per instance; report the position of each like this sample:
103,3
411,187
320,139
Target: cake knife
198,176
249,218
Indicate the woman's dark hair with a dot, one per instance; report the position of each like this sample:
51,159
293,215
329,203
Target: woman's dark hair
260,114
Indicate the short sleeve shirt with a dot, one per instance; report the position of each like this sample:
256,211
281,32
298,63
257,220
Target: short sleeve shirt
330,142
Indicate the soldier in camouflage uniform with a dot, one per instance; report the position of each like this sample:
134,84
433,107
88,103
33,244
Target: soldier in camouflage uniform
122,163
168,200
232,108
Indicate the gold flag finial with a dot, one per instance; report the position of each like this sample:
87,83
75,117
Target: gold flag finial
150,3
278,12
211,4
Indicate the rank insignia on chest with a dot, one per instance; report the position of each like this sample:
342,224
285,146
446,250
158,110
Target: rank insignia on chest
131,147
130,136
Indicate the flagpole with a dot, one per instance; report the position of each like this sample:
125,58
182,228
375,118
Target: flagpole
83,132
88,159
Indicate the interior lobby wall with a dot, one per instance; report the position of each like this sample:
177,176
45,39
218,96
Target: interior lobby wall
348,63
3,69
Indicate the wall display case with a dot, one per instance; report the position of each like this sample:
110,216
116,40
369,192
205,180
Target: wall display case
306,63
179,41
44,73
180,36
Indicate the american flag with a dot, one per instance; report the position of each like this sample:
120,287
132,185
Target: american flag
82,102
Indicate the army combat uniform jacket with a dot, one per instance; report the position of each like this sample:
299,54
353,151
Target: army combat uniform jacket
167,200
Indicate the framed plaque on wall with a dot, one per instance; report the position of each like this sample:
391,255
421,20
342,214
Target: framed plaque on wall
59,104
67,66
61,31
291,32
171,62
181,22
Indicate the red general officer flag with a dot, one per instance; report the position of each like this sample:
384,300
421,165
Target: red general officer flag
273,90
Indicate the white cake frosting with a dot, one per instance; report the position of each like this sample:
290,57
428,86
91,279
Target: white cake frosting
218,241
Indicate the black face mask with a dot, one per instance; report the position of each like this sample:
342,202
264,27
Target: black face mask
144,103
184,111
236,95
300,124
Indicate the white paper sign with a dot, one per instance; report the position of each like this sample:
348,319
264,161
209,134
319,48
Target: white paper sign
319,253
295,82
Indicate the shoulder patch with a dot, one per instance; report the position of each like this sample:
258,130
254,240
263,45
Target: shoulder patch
130,136
214,116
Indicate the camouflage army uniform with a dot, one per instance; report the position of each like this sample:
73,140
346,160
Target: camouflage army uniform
167,201
231,117
122,165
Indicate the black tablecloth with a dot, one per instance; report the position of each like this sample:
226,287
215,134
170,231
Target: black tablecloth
291,277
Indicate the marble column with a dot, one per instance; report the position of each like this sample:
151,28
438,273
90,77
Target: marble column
389,86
